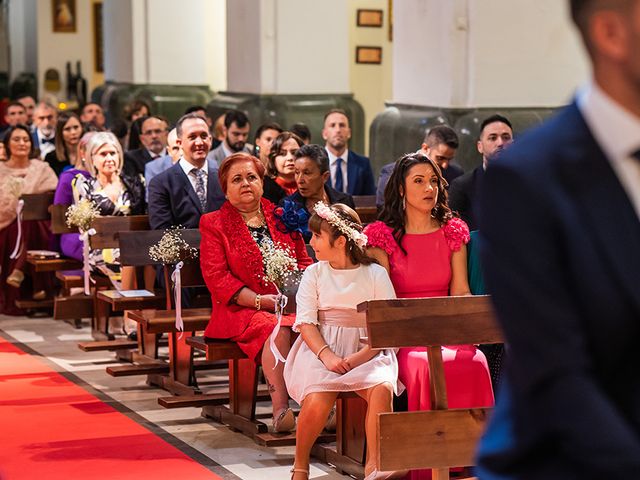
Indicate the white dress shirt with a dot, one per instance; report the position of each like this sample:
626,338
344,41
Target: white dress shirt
333,167
187,168
617,131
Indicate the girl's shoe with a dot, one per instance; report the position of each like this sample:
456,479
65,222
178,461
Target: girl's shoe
285,422
39,295
15,279
299,470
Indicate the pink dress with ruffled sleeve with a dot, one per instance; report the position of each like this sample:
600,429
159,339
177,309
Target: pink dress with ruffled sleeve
425,271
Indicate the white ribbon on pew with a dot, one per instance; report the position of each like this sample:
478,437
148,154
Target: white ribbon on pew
281,303
18,248
176,278
86,268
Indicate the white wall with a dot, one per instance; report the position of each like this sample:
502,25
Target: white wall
23,43
287,46
463,53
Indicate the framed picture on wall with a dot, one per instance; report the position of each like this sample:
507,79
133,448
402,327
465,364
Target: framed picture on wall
369,18
371,55
98,45
64,16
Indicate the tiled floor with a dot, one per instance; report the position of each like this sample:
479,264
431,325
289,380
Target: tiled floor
230,455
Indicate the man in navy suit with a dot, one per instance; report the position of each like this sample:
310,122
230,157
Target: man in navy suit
181,194
560,230
496,133
350,173
153,136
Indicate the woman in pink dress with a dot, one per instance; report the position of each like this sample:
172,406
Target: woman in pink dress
422,245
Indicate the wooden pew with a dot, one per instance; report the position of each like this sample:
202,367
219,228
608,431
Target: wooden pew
36,207
440,438
366,208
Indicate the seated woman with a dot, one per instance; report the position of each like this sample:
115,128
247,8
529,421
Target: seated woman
423,247
311,174
20,174
112,193
233,269
70,244
280,180
68,133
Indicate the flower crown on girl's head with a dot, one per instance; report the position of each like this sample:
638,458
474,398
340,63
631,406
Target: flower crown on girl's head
324,211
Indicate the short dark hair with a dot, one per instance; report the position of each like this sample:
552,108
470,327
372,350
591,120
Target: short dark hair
494,119
316,153
186,117
194,108
155,117
335,110
15,103
302,131
90,103
136,106
25,95
237,117
268,126
442,134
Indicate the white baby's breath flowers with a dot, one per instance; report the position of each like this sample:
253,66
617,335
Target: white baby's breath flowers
172,248
82,214
279,262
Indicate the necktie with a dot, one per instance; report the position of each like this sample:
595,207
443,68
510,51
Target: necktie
200,191
339,183
51,140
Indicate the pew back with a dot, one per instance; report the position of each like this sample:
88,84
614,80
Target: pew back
440,438
36,206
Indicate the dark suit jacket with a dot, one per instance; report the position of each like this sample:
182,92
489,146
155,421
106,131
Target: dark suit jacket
135,160
360,179
463,195
172,200
559,245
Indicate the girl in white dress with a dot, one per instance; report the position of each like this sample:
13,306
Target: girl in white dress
330,355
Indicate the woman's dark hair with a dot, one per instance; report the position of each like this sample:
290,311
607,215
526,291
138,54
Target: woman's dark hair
7,140
134,133
276,146
355,254
136,106
393,210
61,147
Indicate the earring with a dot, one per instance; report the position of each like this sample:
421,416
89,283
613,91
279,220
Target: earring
404,203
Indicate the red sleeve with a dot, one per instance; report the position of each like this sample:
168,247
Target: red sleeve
304,260
222,284
456,232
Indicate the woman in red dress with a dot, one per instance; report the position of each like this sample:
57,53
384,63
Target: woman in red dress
424,248
233,269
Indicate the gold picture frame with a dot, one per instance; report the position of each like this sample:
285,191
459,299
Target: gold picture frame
63,13
369,18
369,55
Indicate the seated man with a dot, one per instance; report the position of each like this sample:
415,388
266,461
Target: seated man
440,145
190,188
159,165
153,136
236,134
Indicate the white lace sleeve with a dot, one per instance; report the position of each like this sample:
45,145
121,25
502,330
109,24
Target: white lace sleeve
307,298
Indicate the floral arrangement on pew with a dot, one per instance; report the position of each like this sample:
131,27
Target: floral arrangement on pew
172,249
15,186
280,269
81,215
294,218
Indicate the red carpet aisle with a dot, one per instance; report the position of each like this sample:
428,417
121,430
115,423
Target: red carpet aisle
52,428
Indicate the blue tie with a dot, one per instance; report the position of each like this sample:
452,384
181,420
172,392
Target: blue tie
339,184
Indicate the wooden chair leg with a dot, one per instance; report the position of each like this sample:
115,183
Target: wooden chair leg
350,428
243,387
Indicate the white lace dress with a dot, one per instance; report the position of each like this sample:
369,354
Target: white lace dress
333,295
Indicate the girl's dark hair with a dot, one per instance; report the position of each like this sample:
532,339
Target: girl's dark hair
393,211
355,254
61,147
7,140
276,146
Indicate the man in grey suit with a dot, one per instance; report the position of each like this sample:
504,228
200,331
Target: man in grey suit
237,127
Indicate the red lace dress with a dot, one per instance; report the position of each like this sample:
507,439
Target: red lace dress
425,271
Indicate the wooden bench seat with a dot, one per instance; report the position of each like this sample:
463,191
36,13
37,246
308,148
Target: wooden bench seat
120,302
107,345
